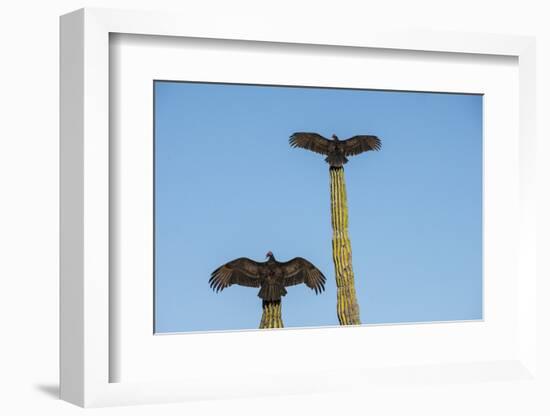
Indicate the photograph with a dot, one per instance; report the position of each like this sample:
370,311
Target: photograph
282,206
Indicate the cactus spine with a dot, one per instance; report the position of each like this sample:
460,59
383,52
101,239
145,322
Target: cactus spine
347,306
271,316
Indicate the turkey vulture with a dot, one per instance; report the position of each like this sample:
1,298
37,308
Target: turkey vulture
270,276
336,150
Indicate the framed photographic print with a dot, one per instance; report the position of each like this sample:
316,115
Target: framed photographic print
286,212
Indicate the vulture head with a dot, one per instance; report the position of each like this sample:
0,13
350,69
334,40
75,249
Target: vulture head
269,255
334,137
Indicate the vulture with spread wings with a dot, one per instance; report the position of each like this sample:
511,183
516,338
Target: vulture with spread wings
336,150
271,276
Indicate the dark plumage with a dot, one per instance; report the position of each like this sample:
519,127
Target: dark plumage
270,276
336,150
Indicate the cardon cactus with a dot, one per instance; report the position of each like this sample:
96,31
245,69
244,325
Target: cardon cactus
347,306
337,152
271,316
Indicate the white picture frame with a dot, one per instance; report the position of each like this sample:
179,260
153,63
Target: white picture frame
87,305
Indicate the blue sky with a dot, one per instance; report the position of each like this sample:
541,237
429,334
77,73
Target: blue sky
228,185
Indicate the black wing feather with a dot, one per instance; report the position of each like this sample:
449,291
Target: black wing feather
359,144
310,141
242,271
299,270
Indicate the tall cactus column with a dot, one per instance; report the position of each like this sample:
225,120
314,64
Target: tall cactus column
347,305
271,316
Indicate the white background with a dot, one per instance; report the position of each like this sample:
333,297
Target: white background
29,206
